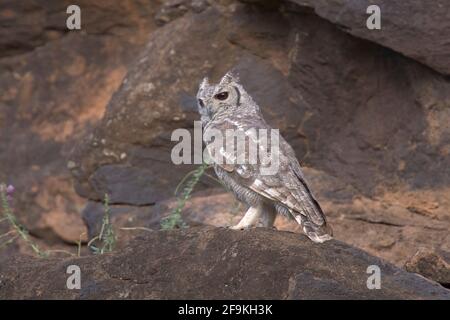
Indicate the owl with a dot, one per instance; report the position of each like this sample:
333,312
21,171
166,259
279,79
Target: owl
227,106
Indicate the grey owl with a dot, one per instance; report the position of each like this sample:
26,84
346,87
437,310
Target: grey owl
228,106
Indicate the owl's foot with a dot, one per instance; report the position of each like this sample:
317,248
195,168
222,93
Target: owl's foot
249,220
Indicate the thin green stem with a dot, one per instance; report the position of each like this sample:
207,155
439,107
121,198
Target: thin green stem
107,236
136,228
22,232
7,233
4,244
174,219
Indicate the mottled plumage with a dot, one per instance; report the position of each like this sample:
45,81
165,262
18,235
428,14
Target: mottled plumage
228,106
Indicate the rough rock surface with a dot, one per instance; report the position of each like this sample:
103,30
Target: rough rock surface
371,122
363,110
381,226
404,25
212,263
431,264
304,72
55,85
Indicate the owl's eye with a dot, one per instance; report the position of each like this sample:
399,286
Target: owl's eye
221,95
200,102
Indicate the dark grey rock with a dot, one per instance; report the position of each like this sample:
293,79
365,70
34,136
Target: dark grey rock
418,29
211,263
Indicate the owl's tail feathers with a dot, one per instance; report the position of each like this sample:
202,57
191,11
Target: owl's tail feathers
315,232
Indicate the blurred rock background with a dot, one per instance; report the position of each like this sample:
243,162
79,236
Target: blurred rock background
89,112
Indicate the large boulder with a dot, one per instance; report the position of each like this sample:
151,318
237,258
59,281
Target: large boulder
212,263
404,25
431,264
129,154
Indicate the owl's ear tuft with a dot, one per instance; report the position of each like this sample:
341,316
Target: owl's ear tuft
204,83
230,77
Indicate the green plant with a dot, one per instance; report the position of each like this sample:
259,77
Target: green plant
174,219
18,230
107,237
79,242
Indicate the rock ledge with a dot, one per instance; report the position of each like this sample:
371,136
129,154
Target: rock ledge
216,263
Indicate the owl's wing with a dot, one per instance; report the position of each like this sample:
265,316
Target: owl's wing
290,188
287,187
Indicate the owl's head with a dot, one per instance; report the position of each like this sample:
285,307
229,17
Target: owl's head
228,94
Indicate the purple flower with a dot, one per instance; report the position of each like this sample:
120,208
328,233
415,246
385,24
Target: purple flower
10,190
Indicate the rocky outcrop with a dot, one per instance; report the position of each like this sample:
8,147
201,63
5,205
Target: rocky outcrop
366,111
134,136
431,264
383,227
369,122
211,263
55,85
304,72
404,25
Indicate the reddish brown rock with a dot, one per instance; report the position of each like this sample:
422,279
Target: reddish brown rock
383,226
55,87
372,124
431,264
133,138
212,263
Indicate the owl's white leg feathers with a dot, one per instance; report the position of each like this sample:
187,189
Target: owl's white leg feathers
263,214
250,218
